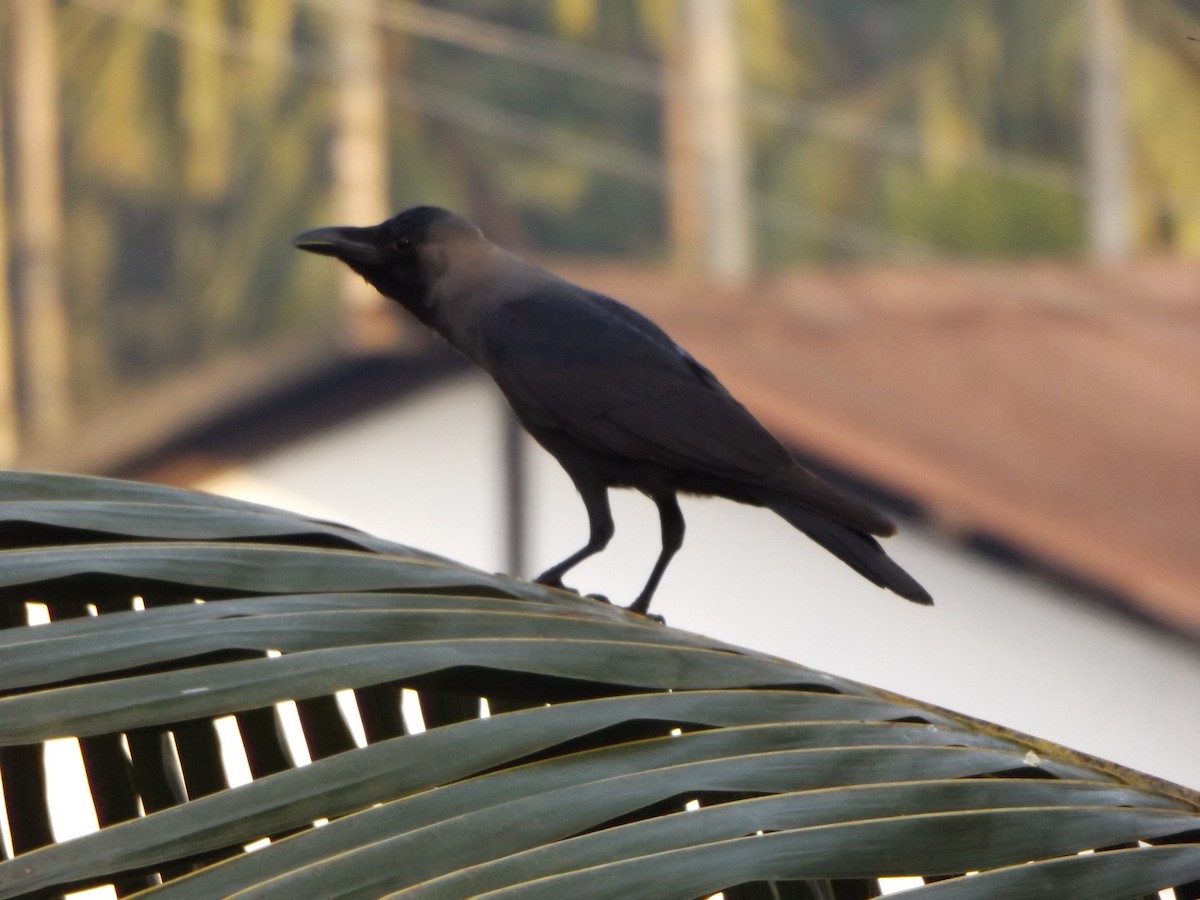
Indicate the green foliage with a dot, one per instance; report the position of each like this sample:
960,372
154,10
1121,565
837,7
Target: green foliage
184,163
562,748
948,211
197,133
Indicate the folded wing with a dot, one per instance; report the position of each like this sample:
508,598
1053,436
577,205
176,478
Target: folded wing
609,378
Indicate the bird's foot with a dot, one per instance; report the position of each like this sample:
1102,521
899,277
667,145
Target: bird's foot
641,611
555,583
638,607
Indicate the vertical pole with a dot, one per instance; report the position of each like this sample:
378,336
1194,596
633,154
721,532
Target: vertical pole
516,503
685,210
359,153
38,223
715,88
205,121
1105,131
9,434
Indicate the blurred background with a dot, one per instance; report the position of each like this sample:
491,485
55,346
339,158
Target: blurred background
950,252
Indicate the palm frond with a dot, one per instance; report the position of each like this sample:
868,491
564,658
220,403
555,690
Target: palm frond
564,748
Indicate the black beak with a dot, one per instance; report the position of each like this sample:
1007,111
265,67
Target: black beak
349,244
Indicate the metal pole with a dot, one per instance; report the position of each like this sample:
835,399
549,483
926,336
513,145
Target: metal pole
715,101
685,210
516,504
1105,130
9,434
38,223
359,152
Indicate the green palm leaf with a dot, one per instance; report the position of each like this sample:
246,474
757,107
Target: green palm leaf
619,759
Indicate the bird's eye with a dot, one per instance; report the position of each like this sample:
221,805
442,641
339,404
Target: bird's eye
403,244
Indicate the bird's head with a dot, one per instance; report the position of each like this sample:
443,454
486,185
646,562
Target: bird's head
403,257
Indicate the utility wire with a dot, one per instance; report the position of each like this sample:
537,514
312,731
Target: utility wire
632,73
616,69
636,74
433,100
484,118
899,140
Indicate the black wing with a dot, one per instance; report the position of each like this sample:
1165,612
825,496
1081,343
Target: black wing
611,379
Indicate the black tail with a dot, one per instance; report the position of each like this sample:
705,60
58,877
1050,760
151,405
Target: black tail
855,548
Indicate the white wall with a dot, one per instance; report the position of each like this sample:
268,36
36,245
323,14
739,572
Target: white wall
998,645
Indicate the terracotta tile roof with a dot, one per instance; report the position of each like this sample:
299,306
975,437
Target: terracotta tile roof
1052,405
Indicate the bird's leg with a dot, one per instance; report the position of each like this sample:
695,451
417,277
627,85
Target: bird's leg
671,519
600,523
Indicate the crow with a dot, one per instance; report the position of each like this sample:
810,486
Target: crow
604,390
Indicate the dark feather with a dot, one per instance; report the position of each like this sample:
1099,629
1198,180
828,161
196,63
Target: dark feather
654,402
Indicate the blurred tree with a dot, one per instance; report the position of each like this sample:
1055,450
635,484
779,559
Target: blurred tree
197,135
8,387
944,113
1163,109
38,232
191,144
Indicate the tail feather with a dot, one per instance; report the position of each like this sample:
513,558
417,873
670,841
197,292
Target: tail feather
855,548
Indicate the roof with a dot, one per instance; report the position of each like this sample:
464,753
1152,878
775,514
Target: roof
1054,406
